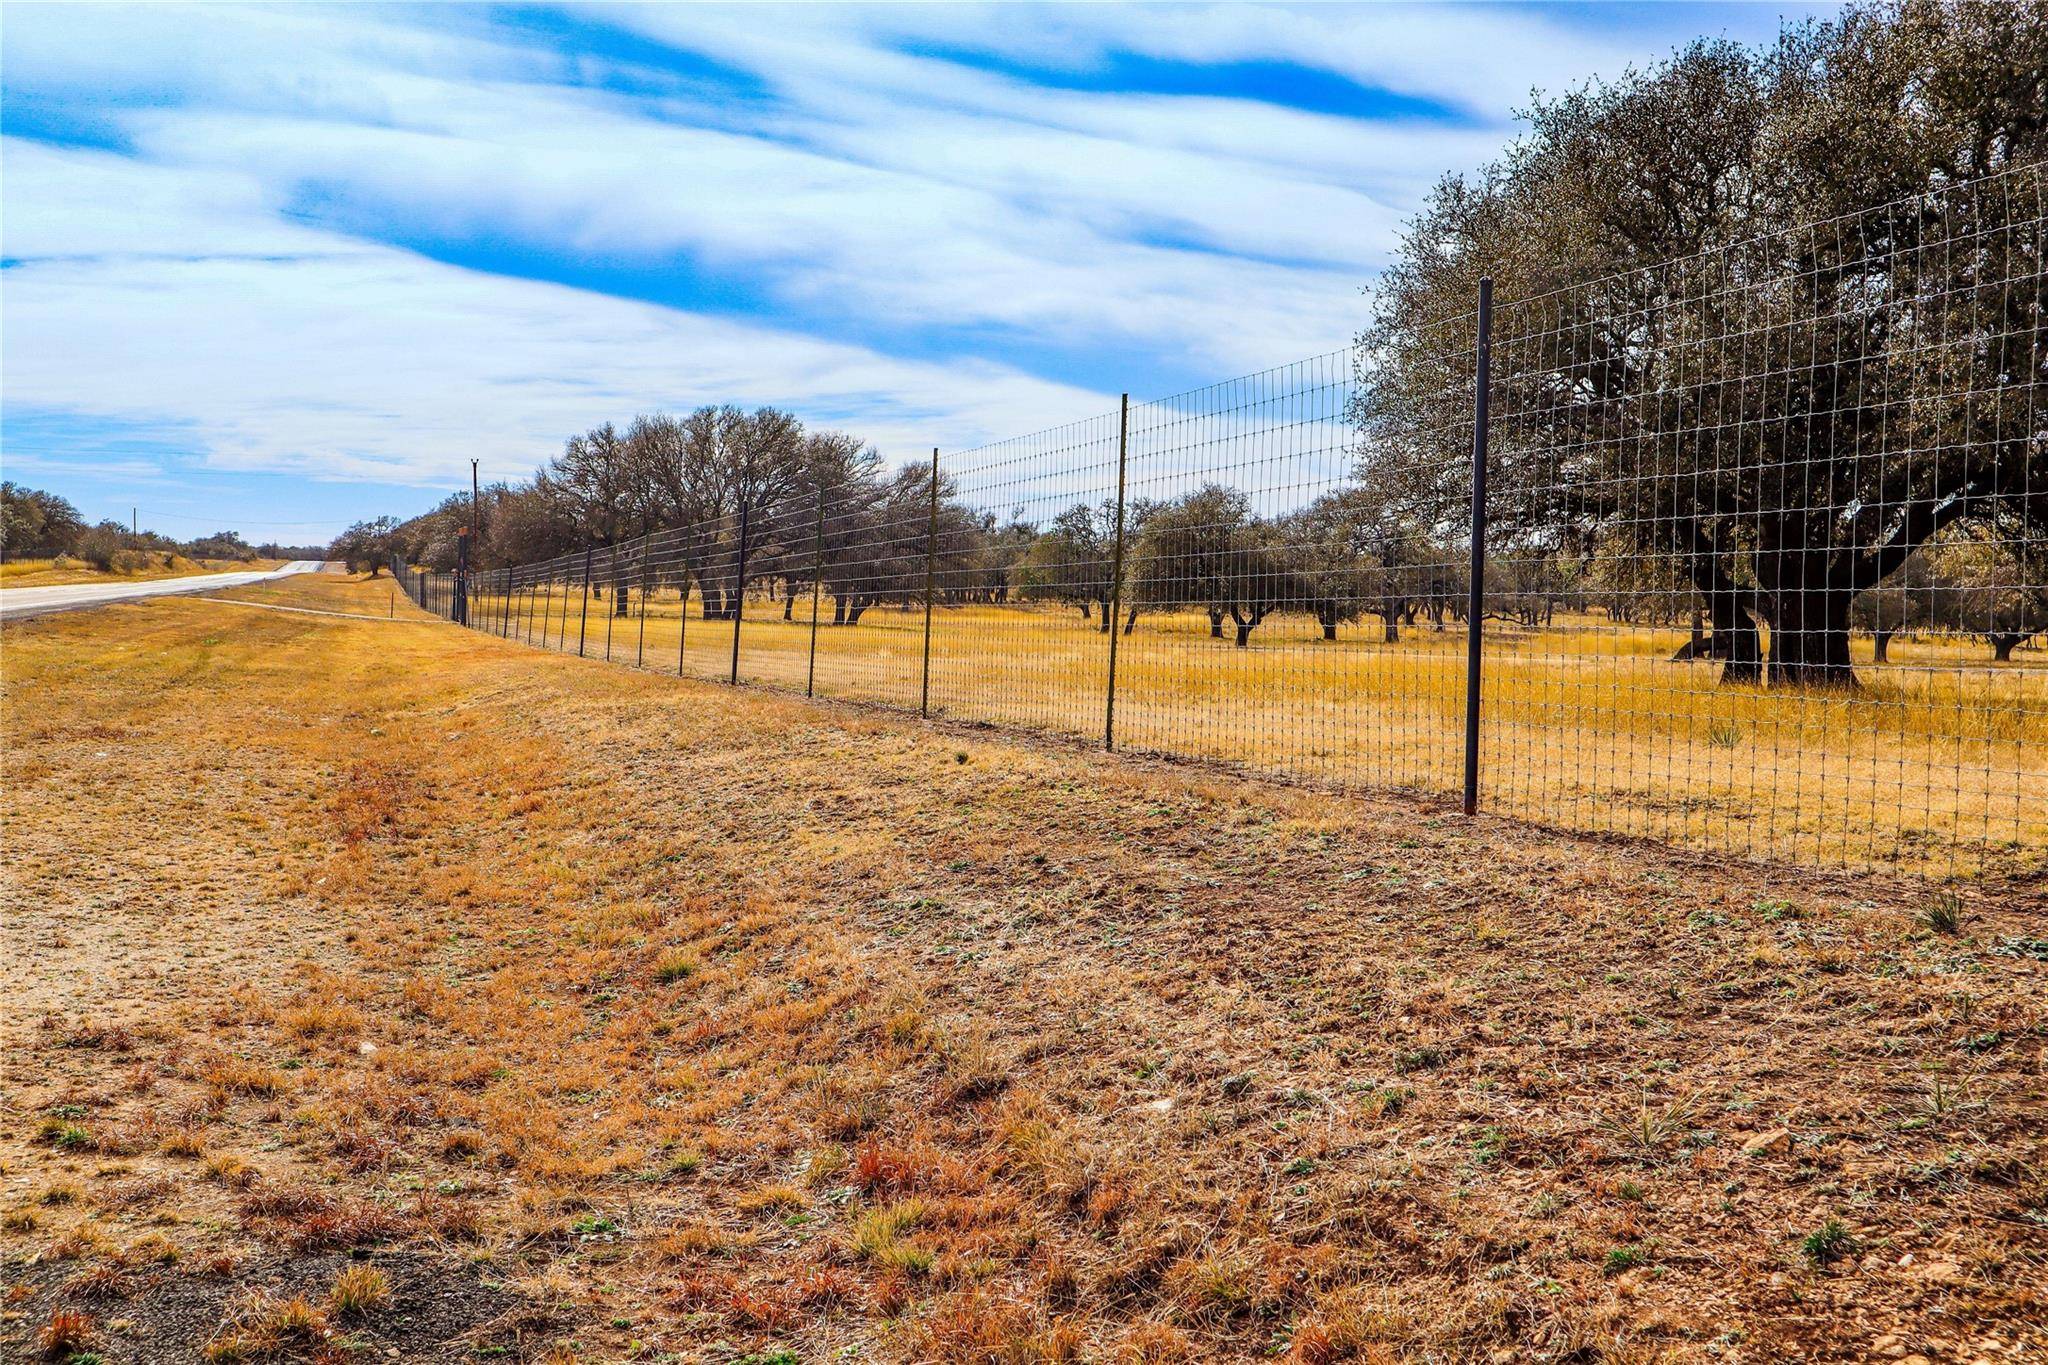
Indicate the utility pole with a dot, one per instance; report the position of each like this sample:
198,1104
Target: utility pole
134,522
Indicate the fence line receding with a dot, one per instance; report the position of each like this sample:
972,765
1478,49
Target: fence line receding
1765,559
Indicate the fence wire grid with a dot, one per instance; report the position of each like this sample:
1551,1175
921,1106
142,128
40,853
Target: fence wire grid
1764,569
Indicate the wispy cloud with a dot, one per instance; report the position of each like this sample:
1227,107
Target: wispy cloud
370,243
289,347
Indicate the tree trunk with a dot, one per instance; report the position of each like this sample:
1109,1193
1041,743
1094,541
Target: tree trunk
1087,610
1882,640
1741,645
620,595
838,610
1215,623
2003,642
1731,614
1810,639
1244,633
1131,621
853,613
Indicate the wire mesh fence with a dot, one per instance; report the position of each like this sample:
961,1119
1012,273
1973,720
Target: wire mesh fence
1762,571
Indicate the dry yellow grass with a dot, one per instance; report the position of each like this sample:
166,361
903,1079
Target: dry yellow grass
45,573
1934,768
648,1018
354,594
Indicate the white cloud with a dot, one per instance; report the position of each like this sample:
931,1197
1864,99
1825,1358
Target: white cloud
290,348
1479,58
229,273
1219,234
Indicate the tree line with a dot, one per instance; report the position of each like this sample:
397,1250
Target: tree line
726,504
35,524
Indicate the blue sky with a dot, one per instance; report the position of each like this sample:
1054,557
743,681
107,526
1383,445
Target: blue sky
278,269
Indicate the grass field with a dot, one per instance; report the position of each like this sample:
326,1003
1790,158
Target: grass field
1935,768
344,593
378,986
47,573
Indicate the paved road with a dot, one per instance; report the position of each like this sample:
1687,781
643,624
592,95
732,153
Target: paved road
18,602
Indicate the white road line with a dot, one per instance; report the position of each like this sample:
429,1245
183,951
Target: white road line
21,602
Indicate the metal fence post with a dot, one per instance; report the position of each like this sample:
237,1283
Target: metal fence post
583,618
739,596
683,614
640,650
817,592
1475,602
931,546
458,599
547,604
611,608
1116,570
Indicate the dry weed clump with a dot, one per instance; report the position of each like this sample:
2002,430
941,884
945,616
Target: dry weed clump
185,1141
323,1019
232,1170
263,1326
304,1219
68,1332
107,1280
358,1290
231,1076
